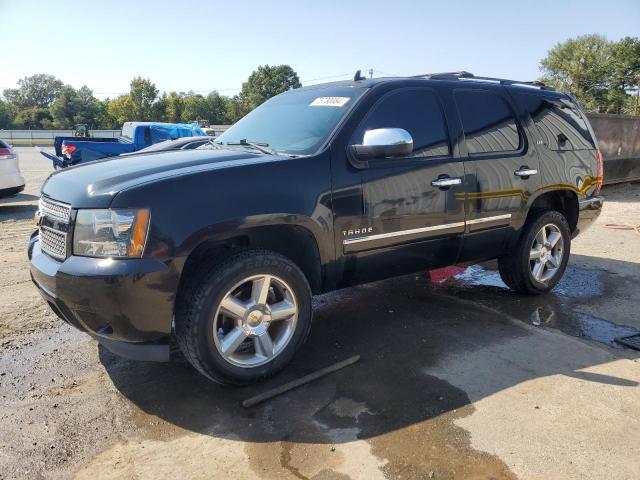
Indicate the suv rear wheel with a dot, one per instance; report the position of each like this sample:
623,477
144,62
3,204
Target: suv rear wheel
242,320
540,258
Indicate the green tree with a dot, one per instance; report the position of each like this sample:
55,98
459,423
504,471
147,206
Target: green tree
211,108
195,108
266,82
7,114
103,119
174,107
122,109
74,106
602,75
235,109
33,117
160,109
625,73
217,108
580,67
65,108
143,94
36,91
87,107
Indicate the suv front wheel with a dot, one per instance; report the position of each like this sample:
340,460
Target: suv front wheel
242,320
540,257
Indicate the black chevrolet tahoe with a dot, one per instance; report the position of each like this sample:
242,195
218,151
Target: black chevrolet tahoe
220,249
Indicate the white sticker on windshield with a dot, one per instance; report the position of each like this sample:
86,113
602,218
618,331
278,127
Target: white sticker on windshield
329,102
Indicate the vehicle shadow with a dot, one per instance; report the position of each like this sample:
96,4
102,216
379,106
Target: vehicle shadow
20,197
17,212
405,331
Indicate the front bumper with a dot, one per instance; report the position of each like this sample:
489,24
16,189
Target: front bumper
126,304
589,209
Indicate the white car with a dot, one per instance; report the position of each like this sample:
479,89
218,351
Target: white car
11,182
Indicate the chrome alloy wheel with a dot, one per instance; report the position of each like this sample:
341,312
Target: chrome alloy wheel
255,320
545,255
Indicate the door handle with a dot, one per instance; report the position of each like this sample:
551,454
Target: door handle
525,172
445,182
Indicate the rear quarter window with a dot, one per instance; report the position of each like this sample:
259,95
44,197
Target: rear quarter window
3,144
558,121
127,131
488,122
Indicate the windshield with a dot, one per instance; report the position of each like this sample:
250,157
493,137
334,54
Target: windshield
296,122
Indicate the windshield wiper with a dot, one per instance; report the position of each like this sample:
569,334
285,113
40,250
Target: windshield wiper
262,147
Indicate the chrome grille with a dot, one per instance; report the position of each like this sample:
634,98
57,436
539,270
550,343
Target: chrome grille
53,242
53,236
53,209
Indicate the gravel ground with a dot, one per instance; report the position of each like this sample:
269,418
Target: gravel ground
459,379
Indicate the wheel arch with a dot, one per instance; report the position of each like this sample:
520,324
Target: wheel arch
293,240
563,200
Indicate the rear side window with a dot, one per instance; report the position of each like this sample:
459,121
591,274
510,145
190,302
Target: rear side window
488,122
560,123
3,145
127,131
418,112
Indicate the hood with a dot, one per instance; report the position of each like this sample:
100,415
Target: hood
95,184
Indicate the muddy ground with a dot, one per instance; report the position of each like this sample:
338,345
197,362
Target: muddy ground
459,379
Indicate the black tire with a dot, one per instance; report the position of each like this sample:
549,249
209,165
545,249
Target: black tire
198,302
515,266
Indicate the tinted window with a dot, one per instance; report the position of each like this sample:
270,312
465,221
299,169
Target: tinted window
419,113
489,125
3,145
296,122
559,122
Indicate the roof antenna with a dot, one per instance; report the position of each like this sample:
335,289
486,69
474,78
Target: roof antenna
358,76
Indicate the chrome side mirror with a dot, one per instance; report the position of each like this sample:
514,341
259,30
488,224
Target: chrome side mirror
383,143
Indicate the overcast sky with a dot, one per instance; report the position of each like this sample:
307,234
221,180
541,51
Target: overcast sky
206,45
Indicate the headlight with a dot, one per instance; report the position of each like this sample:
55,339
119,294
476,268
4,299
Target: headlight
120,232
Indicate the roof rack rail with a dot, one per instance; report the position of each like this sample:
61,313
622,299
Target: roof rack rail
448,75
470,76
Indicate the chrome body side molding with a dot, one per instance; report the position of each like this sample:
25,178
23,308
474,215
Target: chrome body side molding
433,228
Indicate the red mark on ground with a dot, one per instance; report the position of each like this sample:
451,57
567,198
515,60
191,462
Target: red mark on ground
440,275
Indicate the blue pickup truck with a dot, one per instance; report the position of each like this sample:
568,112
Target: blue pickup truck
134,136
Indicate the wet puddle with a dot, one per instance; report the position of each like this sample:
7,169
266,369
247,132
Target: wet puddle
557,309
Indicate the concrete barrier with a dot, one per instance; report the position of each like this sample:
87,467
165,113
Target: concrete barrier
619,141
44,138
